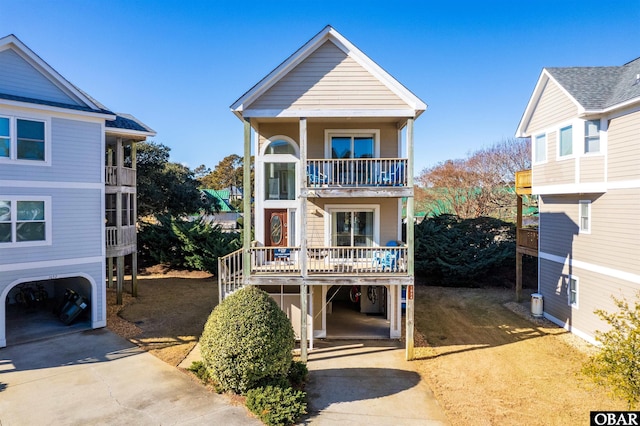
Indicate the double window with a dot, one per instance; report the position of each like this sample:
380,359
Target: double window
352,225
24,221
23,139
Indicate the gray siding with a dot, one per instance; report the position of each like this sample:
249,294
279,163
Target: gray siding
76,155
594,292
77,226
624,148
614,240
19,78
328,79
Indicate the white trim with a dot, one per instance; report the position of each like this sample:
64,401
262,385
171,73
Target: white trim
352,133
55,111
13,139
623,184
50,263
580,229
329,208
561,127
570,188
5,184
598,269
280,113
275,138
571,329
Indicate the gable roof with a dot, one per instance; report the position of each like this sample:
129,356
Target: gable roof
78,100
414,106
593,89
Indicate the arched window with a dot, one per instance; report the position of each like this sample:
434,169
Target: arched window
280,158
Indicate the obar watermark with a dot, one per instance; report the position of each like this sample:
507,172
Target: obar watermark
615,418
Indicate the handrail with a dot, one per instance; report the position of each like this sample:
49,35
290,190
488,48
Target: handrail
332,172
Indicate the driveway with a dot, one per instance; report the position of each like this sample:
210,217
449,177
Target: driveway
367,383
96,377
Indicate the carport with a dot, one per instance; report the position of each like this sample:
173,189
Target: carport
363,319
37,321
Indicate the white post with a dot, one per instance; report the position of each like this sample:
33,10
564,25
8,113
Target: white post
410,244
304,298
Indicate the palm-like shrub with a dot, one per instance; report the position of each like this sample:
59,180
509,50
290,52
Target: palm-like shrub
247,341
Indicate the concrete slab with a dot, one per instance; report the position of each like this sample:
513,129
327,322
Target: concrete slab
96,377
367,383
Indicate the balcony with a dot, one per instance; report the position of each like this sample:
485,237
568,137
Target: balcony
119,176
357,177
324,264
527,241
523,182
120,241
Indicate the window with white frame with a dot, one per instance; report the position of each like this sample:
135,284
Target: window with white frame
540,149
572,291
585,216
280,160
592,136
24,221
352,143
565,144
352,228
23,139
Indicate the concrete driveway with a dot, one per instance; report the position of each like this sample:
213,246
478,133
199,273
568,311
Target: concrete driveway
95,377
367,383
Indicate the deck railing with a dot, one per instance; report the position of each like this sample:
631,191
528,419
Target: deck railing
356,172
229,273
523,182
126,236
119,176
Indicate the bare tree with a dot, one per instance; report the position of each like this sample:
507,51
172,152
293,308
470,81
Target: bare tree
478,185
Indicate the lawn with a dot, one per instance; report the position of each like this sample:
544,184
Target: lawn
485,364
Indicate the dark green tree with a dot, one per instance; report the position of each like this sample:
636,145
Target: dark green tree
165,187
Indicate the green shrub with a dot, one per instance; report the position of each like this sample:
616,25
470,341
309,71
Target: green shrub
275,405
200,371
297,373
247,340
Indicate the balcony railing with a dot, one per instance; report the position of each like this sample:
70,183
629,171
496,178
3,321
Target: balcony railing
124,236
523,182
354,172
120,176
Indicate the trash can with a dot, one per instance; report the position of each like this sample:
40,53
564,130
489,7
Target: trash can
536,304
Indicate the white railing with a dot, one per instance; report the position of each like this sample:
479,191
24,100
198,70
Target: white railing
229,273
119,176
126,236
356,172
329,260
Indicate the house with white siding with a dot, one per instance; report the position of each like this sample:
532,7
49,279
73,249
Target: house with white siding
332,134
54,143
584,125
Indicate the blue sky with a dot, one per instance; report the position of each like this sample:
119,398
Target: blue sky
178,65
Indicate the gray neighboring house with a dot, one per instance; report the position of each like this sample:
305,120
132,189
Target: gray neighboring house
584,124
56,194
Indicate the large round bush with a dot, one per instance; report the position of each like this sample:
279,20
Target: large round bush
247,341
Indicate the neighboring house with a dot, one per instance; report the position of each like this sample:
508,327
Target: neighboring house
227,216
584,124
54,140
332,134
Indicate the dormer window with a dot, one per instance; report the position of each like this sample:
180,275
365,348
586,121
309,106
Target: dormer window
592,136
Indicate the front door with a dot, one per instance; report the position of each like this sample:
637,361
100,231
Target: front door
276,228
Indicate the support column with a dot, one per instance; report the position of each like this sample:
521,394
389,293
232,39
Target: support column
518,253
304,298
246,200
120,279
109,272
410,244
134,274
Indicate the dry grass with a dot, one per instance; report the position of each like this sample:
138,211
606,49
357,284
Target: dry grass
169,313
485,363
488,365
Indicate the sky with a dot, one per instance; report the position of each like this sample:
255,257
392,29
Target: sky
179,65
